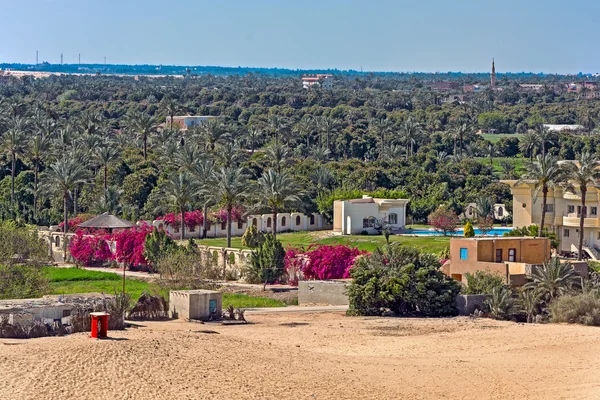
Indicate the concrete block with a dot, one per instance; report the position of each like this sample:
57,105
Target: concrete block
195,304
323,292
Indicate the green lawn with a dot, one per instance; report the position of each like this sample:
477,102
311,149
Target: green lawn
519,163
433,244
495,137
75,280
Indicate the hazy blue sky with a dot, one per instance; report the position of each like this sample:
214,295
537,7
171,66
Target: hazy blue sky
390,35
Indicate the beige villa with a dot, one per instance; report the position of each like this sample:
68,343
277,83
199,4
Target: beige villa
352,217
563,210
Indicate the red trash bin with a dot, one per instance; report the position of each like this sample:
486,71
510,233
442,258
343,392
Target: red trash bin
102,318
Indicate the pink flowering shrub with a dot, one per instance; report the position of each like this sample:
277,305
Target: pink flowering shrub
74,222
130,246
294,261
221,215
192,219
90,249
322,262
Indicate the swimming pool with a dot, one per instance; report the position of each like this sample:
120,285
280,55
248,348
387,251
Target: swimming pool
459,232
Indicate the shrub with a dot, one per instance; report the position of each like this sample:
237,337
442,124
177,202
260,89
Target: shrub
267,261
186,267
485,224
252,237
403,280
90,249
130,246
482,282
576,309
554,279
443,220
330,262
469,231
502,304
22,281
157,245
21,244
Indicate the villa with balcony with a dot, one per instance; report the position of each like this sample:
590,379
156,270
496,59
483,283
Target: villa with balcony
563,211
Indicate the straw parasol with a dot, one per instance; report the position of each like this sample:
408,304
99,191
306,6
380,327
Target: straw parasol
109,222
106,221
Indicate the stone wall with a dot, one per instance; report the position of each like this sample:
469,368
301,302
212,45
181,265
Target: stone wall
323,292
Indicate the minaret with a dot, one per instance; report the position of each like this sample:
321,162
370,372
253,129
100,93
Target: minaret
493,80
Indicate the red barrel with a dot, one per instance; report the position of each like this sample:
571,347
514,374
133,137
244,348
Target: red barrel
102,319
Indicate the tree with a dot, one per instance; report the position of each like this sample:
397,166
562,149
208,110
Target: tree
143,125
204,172
278,154
553,279
469,231
39,148
157,245
181,189
410,131
252,237
231,189
170,107
13,145
443,219
381,127
105,154
582,174
544,174
267,261
276,191
63,176
527,144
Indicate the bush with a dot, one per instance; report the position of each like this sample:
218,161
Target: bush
267,261
469,231
22,281
252,237
330,262
21,244
186,267
157,245
482,282
576,309
502,304
403,280
90,250
443,219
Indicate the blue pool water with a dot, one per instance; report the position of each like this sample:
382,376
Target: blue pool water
459,232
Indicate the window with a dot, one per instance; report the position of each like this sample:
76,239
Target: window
594,211
512,255
269,222
464,253
298,220
584,210
369,222
177,229
223,225
549,207
240,225
57,241
255,222
192,229
312,219
283,221
500,211
499,255
393,219
566,233
571,209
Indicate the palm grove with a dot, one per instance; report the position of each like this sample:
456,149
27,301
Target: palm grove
93,144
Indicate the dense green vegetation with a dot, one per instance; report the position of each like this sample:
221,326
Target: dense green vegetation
96,143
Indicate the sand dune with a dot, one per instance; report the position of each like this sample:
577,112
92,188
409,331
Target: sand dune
310,356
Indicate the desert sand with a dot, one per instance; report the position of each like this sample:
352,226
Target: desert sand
310,356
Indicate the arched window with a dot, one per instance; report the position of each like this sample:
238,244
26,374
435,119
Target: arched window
57,241
240,224
255,222
369,222
223,225
283,221
500,211
312,219
161,227
298,220
393,219
269,222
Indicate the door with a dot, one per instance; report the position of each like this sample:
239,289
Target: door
498,255
348,225
512,255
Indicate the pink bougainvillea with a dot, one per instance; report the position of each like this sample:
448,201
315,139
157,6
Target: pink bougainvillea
74,222
321,262
130,245
90,249
221,215
192,219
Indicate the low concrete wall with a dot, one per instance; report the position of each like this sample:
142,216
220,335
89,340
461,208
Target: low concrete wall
323,292
467,303
195,304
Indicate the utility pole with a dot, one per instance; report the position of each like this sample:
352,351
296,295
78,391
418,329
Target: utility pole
79,58
36,57
61,58
105,61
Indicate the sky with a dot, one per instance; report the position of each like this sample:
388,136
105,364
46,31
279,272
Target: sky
551,36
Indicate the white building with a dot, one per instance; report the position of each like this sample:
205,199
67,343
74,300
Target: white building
185,122
323,80
351,217
500,211
563,128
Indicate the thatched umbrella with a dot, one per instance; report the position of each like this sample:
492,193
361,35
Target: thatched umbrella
109,222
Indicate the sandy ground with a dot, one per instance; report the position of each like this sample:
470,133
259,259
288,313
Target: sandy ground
310,356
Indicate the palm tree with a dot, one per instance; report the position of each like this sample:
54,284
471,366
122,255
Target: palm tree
381,127
527,143
530,300
583,174
278,154
213,131
39,147
13,145
553,279
306,128
104,155
278,126
543,135
328,126
230,154
170,107
544,174
276,191
410,130
181,189
63,176
458,133
204,172
231,188
252,136
111,201
508,169
143,125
